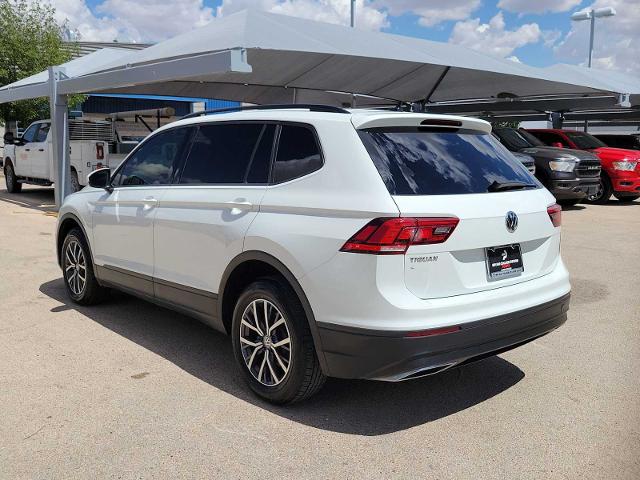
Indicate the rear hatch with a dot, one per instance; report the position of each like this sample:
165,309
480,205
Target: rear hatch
434,170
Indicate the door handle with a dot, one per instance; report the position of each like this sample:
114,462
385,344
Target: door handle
27,149
41,149
242,205
149,203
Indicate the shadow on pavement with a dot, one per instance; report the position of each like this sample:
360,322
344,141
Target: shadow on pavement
38,198
345,406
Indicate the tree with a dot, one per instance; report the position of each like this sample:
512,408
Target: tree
30,42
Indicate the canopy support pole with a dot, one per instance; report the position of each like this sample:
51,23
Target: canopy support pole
434,88
58,105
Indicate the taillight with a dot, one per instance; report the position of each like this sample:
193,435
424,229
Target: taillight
99,151
393,236
555,214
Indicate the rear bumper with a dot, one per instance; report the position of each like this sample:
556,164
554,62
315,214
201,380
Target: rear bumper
572,189
392,356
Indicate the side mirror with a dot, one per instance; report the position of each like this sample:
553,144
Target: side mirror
101,178
557,145
9,139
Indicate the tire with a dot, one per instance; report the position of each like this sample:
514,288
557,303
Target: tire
274,372
570,203
74,182
604,193
76,258
626,198
13,186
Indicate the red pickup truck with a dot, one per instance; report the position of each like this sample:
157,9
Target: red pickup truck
620,174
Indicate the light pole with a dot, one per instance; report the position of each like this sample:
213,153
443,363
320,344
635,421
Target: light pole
592,15
353,13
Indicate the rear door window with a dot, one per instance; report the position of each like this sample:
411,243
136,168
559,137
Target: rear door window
420,162
229,154
298,153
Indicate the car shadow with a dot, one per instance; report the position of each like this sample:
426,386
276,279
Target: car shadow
618,203
345,406
572,207
35,198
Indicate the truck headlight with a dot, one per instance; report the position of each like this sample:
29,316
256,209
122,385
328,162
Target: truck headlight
562,165
627,165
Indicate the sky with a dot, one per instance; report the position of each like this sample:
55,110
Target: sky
535,32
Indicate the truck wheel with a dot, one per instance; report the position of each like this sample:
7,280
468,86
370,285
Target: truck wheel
272,343
75,183
626,198
13,186
603,194
77,270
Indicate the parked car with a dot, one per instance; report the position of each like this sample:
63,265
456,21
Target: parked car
570,175
29,158
326,242
620,167
629,142
526,160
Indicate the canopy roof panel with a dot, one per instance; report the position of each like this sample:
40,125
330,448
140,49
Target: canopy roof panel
258,57
291,53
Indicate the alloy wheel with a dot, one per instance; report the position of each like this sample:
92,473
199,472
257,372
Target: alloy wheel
265,342
75,267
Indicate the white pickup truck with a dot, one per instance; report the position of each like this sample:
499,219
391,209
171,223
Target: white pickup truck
29,158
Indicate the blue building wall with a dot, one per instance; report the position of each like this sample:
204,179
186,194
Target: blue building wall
123,103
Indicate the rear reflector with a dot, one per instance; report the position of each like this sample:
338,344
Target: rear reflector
432,332
393,236
99,151
555,214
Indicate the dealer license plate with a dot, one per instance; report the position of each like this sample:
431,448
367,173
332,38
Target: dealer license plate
504,261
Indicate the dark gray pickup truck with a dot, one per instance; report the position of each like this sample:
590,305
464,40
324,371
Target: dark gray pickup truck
570,175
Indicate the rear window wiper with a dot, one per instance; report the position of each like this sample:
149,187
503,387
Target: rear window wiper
506,186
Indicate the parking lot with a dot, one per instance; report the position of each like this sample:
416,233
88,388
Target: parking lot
130,390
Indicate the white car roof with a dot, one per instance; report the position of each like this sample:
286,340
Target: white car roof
359,118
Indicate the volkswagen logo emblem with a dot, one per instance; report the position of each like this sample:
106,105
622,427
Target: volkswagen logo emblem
511,221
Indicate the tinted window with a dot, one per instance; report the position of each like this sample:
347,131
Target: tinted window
154,161
261,162
514,139
222,154
584,140
298,153
30,133
43,131
413,162
548,138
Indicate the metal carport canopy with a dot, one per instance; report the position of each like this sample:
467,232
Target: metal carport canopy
293,59
76,76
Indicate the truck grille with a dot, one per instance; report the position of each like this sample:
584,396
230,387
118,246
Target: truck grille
588,169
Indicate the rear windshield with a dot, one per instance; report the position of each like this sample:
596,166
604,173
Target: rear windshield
419,162
584,140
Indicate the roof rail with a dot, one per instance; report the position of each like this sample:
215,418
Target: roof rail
302,106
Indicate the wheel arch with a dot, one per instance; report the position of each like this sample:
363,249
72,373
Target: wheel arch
236,277
66,223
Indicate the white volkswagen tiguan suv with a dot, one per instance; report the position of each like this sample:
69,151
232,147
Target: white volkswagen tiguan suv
326,242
